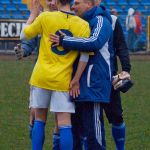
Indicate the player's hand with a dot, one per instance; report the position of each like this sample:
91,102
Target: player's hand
121,76
118,84
35,10
74,88
54,39
124,75
57,39
18,52
36,7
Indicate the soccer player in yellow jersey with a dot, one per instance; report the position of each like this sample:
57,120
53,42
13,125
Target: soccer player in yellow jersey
53,71
24,50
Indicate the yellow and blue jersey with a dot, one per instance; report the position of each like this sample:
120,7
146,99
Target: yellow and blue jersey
53,69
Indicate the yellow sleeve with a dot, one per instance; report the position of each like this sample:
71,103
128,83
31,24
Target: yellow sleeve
86,33
33,29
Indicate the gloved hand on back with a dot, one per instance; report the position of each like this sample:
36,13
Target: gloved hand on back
18,52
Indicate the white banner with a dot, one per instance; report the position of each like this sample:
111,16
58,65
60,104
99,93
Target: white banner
10,29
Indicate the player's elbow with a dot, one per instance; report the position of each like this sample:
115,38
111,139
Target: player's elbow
96,46
22,35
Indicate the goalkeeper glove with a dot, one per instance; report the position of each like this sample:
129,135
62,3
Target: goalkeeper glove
18,52
122,82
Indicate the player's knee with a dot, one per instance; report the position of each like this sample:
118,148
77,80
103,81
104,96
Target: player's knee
41,114
32,112
63,119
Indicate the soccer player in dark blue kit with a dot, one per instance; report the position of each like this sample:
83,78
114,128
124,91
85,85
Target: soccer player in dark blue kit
114,109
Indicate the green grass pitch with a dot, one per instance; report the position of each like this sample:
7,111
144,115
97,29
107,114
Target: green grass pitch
14,93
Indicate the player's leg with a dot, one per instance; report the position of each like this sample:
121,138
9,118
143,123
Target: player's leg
32,114
63,107
38,133
31,121
77,132
65,131
78,141
91,115
56,136
114,114
118,125
118,133
41,100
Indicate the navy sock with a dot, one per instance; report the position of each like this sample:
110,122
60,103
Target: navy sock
66,138
38,135
118,132
56,140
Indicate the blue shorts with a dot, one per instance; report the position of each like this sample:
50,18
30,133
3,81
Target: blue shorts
113,110
88,124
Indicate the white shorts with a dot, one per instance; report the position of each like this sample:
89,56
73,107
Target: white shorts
30,97
58,101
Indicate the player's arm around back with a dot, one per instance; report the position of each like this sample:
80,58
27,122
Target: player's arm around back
100,34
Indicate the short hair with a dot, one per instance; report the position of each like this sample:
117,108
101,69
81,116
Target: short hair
92,1
64,2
